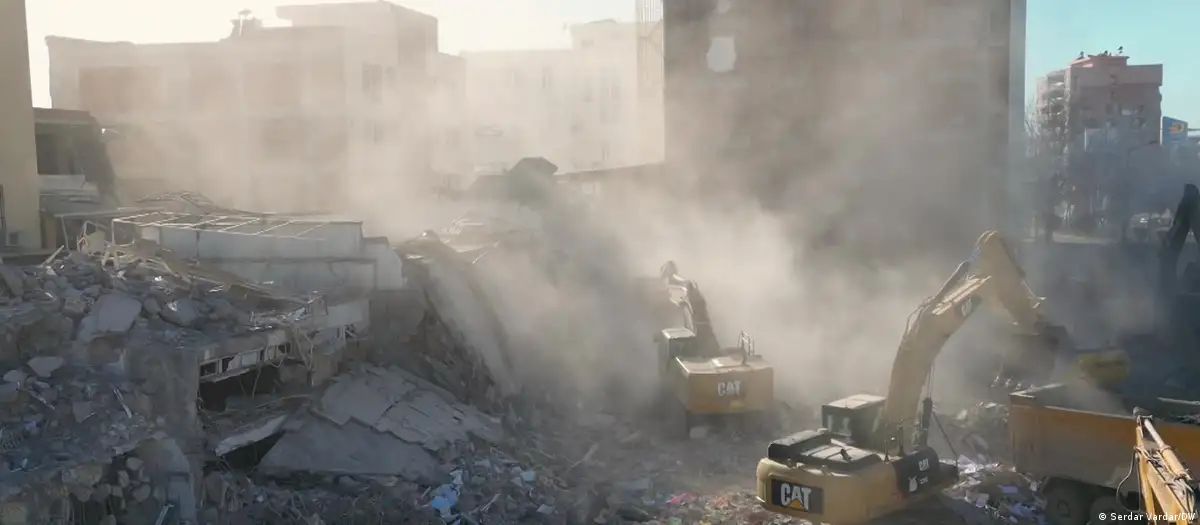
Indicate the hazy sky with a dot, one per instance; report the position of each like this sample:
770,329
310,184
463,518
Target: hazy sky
1150,30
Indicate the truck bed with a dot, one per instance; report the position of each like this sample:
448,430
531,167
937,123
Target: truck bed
1088,435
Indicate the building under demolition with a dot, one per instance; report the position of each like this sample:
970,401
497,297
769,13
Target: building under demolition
894,101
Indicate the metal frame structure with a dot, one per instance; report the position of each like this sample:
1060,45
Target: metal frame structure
274,226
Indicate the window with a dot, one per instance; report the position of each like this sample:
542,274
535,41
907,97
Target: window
372,83
274,86
281,138
376,132
586,43
327,83
605,151
547,79
328,142
209,87
119,90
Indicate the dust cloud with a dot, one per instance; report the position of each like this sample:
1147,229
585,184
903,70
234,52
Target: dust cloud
847,200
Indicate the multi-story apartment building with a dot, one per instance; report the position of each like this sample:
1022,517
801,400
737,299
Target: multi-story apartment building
1101,102
520,104
1099,118
578,107
914,102
301,116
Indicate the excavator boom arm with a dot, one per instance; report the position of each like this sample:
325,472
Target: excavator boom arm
990,275
1167,487
1183,222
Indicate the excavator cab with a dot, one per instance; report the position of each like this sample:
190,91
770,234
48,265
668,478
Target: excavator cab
674,343
852,418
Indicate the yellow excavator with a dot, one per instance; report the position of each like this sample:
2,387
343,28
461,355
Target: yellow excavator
700,378
872,457
1168,488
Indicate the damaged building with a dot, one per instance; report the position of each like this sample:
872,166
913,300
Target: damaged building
170,343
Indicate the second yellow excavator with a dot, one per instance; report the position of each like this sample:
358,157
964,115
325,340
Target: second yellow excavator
701,379
872,457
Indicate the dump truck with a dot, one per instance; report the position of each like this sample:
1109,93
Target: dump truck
1079,444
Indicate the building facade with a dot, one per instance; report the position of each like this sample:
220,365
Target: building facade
1101,115
334,107
579,107
20,225
449,121
913,101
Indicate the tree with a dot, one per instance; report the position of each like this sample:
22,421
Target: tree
1045,156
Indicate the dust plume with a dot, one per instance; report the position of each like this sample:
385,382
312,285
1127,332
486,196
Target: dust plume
816,196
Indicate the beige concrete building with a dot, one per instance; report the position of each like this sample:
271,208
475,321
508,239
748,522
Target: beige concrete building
448,120
19,187
578,107
521,104
324,113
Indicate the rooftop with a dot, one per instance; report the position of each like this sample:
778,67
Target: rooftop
267,225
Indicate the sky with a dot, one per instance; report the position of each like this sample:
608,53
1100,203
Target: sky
1152,31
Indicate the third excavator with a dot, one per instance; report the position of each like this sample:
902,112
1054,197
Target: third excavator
872,456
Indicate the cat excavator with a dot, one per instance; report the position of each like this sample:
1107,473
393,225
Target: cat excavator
701,379
872,456
1167,487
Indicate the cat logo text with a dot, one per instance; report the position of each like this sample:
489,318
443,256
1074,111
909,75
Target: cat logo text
797,497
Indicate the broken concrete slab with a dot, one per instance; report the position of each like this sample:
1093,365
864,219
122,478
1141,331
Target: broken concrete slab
14,279
381,411
321,446
113,313
45,365
250,434
182,312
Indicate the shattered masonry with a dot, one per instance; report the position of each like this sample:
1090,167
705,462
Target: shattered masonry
109,348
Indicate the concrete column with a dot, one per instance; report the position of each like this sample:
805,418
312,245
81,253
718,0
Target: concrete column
18,157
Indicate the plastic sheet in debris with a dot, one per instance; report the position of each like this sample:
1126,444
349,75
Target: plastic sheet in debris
998,492
445,498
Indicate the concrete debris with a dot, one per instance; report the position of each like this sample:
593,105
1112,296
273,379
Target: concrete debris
379,421
74,301
43,366
62,432
456,297
235,499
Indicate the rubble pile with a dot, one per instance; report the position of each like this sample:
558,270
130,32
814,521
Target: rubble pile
980,431
237,499
460,341
60,427
100,355
64,306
